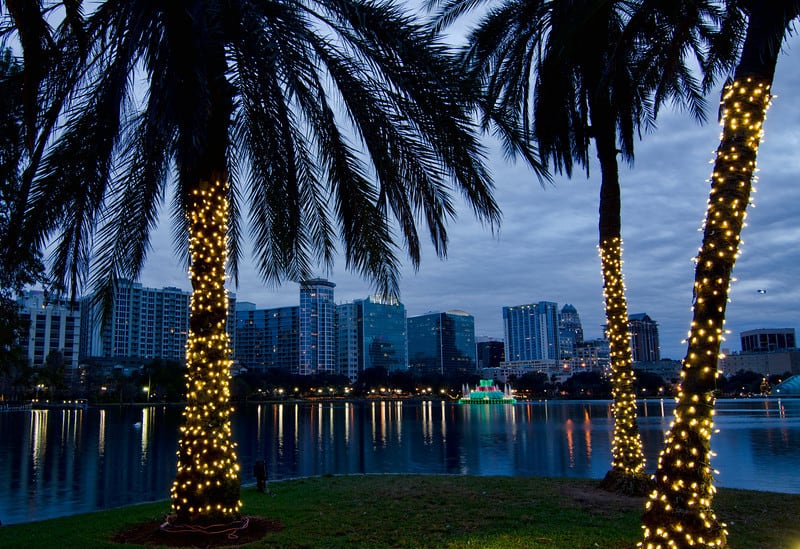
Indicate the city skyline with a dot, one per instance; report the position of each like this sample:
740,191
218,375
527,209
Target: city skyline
546,249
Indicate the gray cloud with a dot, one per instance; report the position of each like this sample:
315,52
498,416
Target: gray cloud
546,248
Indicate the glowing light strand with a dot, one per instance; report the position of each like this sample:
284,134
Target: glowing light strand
206,487
627,457
678,513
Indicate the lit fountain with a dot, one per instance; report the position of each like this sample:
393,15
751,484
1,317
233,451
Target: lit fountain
486,393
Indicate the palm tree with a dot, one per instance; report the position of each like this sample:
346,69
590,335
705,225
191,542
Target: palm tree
325,117
43,48
679,513
572,72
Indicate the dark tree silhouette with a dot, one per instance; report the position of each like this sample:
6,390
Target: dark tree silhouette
328,119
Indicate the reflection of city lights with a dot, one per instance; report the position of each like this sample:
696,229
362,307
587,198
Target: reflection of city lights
39,420
147,418
101,440
568,427
348,418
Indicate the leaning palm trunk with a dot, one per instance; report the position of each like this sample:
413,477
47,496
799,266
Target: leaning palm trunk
206,487
679,512
627,459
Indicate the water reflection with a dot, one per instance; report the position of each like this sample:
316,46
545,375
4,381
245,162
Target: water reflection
67,461
101,434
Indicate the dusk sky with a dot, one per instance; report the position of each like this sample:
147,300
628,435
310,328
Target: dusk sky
546,248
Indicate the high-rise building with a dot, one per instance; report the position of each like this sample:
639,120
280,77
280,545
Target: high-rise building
491,352
267,338
348,349
442,343
532,332
768,340
142,322
591,356
317,327
384,342
570,331
54,326
371,333
644,338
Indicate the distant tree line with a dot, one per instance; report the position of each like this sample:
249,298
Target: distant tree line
162,380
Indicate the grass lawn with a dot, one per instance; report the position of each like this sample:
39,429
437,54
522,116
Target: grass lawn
412,511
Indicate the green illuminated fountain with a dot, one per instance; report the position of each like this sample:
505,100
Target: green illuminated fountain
487,393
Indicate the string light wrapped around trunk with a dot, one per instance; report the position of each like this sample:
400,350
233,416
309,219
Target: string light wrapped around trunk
206,487
626,451
678,513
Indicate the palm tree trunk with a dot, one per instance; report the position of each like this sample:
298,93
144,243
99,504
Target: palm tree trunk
679,512
206,488
627,463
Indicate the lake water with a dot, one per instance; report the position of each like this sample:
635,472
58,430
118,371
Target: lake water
61,462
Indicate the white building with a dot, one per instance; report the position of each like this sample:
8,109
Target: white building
54,326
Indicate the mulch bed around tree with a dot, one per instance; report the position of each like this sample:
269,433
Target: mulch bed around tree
151,533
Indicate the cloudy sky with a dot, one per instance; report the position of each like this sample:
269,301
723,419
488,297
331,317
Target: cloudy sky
546,247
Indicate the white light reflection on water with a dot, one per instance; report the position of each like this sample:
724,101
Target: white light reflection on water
39,439
101,435
330,423
348,421
398,410
147,419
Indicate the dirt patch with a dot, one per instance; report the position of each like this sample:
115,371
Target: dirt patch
151,533
592,498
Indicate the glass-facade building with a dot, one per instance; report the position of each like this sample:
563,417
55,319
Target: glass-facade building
490,353
267,338
317,327
643,330
532,332
442,343
570,331
348,327
383,339
371,333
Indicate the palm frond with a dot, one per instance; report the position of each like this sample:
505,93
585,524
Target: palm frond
133,206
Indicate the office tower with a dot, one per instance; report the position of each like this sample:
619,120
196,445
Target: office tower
644,338
491,352
54,326
768,340
384,342
267,338
371,333
442,343
317,327
532,332
348,325
570,331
